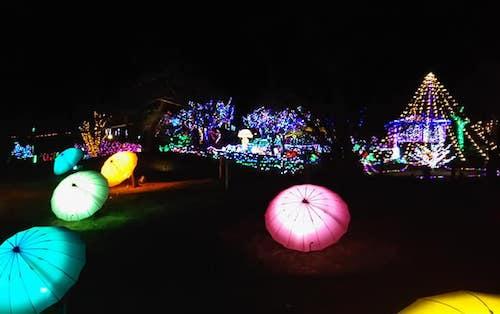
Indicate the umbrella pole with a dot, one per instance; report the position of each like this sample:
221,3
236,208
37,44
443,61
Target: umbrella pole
226,175
64,306
221,168
133,180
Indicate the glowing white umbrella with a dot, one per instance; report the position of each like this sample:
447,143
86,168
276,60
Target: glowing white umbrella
79,195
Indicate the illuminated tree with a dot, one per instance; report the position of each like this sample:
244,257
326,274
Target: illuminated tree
196,121
93,133
291,125
433,156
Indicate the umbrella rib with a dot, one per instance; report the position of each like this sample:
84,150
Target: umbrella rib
31,235
310,194
291,228
10,285
280,206
55,266
311,198
23,237
24,285
329,214
445,304
295,194
324,223
6,265
36,240
70,256
312,222
480,300
38,275
91,194
288,215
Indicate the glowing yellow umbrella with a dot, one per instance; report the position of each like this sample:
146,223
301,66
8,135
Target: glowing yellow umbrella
465,302
119,167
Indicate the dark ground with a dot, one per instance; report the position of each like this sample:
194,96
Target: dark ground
194,248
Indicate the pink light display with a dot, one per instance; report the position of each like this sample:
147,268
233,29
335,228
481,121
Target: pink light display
307,218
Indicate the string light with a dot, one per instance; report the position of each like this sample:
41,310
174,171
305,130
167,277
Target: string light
285,141
425,130
93,134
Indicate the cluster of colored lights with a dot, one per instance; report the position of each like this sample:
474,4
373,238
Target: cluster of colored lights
93,134
295,125
107,148
460,123
198,120
431,121
22,151
269,122
433,156
432,100
175,143
48,156
411,131
286,140
284,165
485,131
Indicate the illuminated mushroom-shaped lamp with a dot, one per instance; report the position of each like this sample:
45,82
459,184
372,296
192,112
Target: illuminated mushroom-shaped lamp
307,218
119,167
66,160
79,195
245,135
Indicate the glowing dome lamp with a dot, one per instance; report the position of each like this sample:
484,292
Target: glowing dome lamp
466,302
119,167
79,195
38,266
307,218
67,160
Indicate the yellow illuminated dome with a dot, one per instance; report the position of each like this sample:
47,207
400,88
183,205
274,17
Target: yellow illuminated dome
465,302
119,167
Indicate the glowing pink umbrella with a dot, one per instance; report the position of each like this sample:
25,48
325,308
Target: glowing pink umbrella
307,218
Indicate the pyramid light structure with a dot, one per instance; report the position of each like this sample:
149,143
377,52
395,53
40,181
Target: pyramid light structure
434,117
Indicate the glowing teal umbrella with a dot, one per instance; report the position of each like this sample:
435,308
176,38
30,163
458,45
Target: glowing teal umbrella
37,267
79,195
66,160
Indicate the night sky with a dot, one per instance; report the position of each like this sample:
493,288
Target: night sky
60,62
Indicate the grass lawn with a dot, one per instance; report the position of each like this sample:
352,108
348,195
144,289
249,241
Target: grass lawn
191,247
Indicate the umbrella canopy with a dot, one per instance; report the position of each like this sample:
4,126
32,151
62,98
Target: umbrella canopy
119,167
66,160
465,302
37,267
307,218
79,195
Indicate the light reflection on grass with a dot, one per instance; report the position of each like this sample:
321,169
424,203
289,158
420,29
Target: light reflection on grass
114,220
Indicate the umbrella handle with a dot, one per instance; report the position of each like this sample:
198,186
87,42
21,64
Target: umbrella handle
64,305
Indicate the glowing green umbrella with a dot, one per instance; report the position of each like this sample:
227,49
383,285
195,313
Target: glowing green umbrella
79,195
37,267
66,160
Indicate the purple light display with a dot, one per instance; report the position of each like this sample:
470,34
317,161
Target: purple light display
431,131
107,148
